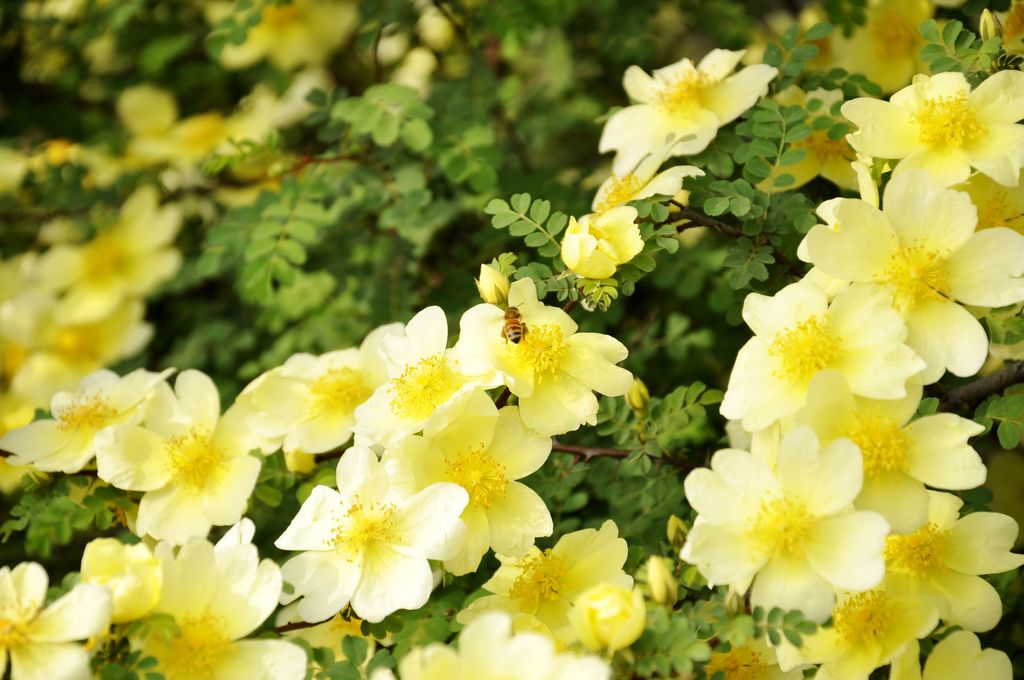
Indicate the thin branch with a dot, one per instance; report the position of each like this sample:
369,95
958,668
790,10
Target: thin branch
966,396
502,398
298,625
588,452
569,306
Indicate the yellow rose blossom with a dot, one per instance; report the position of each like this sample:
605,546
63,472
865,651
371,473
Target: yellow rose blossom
998,205
957,657
680,107
945,559
751,660
663,586
484,451
40,642
942,127
642,182
886,48
130,572
609,617
900,455
14,413
368,543
218,595
492,285
13,167
66,442
547,584
798,333
192,464
553,369
596,244
922,249
775,532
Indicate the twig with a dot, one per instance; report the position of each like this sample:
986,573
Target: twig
503,398
973,392
569,306
588,452
298,625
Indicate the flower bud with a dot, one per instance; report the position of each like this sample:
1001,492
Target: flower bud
990,26
638,395
130,572
664,588
596,244
299,462
609,617
676,531
493,285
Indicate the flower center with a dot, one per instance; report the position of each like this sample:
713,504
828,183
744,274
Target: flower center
684,94
948,122
280,16
363,526
804,350
622,190
423,387
894,36
196,651
917,553
997,210
739,663
781,527
193,460
476,471
104,257
12,633
882,442
339,390
915,275
542,349
79,342
199,134
91,413
823,148
864,618
539,580
1013,22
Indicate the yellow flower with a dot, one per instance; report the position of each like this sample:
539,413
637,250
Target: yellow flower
192,464
887,47
958,656
14,413
900,456
944,561
998,205
13,166
789,535
751,660
367,544
552,369
620,189
596,244
309,403
130,572
66,443
797,333
127,260
940,126
547,584
609,617
484,451
680,108
663,586
41,642
493,285
922,249
869,630
218,595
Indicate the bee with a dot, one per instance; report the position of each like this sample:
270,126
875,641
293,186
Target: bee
514,329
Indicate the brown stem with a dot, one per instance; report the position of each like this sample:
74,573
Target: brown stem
588,452
502,398
569,306
298,625
966,396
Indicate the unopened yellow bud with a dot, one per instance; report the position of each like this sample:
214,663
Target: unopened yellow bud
676,531
990,26
664,588
609,617
638,395
131,572
734,602
493,285
299,462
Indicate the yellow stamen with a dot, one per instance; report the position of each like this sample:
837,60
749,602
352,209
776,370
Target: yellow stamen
864,618
739,663
919,553
91,413
823,148
196,651
105,257
193,460
684,94
915,275
12,633
540,579
476,471
883,443
363,526
948,122
782,527
622,190
339,390
423,387
804,349
893,35
542,350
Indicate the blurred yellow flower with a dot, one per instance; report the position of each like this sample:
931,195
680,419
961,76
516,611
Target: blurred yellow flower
609,617
130,572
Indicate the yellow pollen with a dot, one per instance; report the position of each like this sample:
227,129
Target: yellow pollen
739,663
804,350
91,413
423,387
883,443
948,123
621,191
540,579
998,210
193,460
79,342
1013,22
917,553
915,275
864,618
782,527
105,257
543,350
894,36
12,633
363,526
476,471
339,390
195,653
823,148
685,94
280,16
